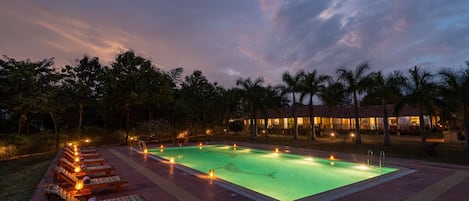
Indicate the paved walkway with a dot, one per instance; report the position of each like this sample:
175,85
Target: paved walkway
156,180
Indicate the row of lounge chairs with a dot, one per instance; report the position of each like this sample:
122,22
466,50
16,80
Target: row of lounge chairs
79,172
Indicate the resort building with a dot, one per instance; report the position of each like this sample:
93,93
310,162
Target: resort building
342,118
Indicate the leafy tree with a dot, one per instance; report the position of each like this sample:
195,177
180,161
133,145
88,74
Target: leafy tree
201,98
455,88
293,85
313,85
355,83
121,84
83,81
386,90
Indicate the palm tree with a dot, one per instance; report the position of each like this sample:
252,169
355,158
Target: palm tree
271,100
454,90
385,90
356,83
293,85
313,84
250,96
334,95
420,92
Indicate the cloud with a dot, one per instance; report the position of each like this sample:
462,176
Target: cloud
230,39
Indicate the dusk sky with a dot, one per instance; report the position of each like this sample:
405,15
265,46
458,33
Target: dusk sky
229,39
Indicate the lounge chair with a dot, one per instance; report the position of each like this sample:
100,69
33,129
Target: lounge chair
89,161
88,170
57,193
94,183
82,150
82,155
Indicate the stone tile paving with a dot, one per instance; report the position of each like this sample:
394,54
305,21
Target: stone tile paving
401,188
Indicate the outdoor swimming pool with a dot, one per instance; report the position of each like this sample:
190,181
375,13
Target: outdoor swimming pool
280,175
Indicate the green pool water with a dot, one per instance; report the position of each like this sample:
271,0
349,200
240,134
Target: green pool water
278,175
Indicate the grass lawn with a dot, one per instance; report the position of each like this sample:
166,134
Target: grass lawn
19,177
401,146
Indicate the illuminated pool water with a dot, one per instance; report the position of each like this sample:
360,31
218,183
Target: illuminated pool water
278,175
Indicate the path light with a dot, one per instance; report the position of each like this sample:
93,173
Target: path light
161,146
276,150
145,151
77,159
352,134
211,173
70,144
87,140
332,134
77,168
331,157
200,144
235,146
76,153
171,160
79,185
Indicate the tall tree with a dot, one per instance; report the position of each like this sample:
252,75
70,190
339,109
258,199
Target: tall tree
455,88
420,92
386,90
121,87
292,84
83,80
251,91
356,82
313,85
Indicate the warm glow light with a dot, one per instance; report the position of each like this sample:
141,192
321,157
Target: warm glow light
200,144
145,151
332,157
76,153
362,167
276,150
79,185
87,140
77,168
207,132
70,144
332,163
332,134
353,134
211,173
171,160
161,146
234,145
77,159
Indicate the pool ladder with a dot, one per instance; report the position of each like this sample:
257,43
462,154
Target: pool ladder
370,158
381,158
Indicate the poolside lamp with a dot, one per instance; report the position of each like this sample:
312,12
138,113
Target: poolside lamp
332,157
77,169
79,185
171,160
211,173
161,146
70,144
145,151
276,150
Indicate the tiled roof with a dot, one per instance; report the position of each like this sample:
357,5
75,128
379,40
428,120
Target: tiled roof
342,112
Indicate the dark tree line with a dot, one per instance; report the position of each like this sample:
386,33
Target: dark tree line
38,96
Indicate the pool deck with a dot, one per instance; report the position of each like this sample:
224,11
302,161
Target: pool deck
156,180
